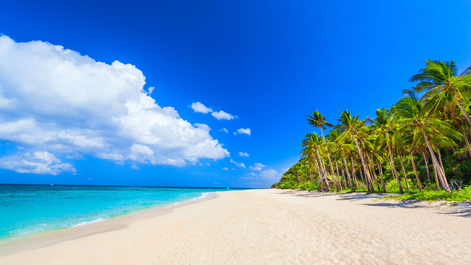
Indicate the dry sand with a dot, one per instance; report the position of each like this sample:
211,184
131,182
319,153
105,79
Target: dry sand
267,227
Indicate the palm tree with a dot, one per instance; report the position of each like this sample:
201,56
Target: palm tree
318,120
343,148
351,128
441,82
426,127
311,145
384,129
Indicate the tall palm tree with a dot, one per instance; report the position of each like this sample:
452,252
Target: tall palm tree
353,128
343,148
425,127
311,145
318,120
384,126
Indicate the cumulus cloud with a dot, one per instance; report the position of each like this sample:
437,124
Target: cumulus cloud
244,131
221,115
243,154
224,130
36,163
225,168
199,107
55,100
257,166
242,165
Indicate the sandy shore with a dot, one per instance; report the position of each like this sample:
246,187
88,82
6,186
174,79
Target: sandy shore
265,227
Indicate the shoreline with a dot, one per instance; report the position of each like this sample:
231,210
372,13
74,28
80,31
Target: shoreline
274,227
51,237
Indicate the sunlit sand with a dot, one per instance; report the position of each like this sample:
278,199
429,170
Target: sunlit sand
264,227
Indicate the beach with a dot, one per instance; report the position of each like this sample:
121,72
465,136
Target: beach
263,227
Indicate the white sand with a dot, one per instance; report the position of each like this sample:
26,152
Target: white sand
274,227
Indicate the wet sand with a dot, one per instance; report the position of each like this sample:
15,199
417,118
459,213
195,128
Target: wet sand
264,227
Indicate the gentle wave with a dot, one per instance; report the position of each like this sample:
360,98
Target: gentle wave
89,222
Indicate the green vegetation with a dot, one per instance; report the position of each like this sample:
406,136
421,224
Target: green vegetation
419,147
461,195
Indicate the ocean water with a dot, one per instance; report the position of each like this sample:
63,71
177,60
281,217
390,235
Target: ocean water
27,210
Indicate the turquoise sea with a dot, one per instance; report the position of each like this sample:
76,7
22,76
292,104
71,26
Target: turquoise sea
27,210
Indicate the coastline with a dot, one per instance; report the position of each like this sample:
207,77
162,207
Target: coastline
274,227
51,237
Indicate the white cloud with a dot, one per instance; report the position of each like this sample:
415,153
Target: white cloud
257,166
233,168
36,163
267,174
199,107
224,130
221,115
151,89
56,100
242,165
244,131
225,168
243,154
235,133
135,167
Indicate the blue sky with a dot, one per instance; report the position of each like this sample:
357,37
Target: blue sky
66,119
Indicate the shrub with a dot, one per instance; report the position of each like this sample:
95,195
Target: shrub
461,195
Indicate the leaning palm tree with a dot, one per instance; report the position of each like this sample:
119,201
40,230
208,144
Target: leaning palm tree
311,145
441,82
343,148
384,126
425,127
354,128
318,120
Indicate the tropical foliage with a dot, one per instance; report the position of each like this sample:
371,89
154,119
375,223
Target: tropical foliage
420,146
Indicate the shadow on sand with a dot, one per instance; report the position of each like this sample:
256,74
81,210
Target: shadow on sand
456,209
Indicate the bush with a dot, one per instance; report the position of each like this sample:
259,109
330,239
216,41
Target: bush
461,195
307,186
391,186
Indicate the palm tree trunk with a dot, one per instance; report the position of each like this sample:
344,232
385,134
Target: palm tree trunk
353,172
393,169
348,173
361,173
363,162
330,162
466,139
415,171
319,170
440,172
436,177
426,167
380,168
343,177
464,111
441,163
325,177
373,170
404,171
338,175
